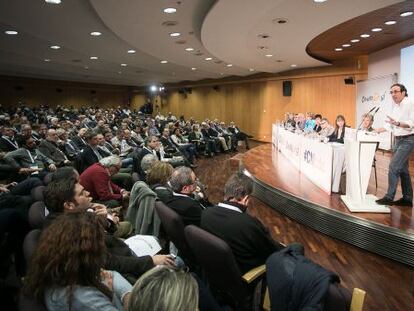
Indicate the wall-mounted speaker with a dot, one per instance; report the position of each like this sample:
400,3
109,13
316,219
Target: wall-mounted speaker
216,88
287,88
349,80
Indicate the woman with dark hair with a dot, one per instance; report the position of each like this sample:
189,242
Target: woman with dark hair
339,133
65,271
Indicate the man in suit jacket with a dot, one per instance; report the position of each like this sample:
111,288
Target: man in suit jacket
91,153
249,240
79,140
50,149
183,183
152,145
7,140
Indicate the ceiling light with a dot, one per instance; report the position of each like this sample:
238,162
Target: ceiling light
346,45
93,57
390,22
153,88
170,10
86,67
355,40
164,62
221,73
55,47
376,29
208,58
95,33
189,49
405,14
319,1
293,65
365,35
229,65
11,32
131,51
175,34
53,1
251,69
123,65
338,49
268,55
194,68
47,60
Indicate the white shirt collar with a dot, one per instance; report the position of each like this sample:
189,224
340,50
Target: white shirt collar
231,207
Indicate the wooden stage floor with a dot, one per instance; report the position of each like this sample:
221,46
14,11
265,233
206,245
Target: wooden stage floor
275,170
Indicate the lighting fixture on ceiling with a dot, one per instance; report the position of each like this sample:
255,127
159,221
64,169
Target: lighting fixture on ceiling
170,10
390,23
229,65
346,45
55,47
208,58
319,1
251,69
189,49
376,29
365,35
11,32
164,62
355,40
153,88
268,55
93,57
194,68
86,67
175,34
53,1
405,14
279,61
131,51
95,33
123,65
47,60
293,65
338,49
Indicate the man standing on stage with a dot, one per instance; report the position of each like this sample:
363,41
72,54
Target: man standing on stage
401,124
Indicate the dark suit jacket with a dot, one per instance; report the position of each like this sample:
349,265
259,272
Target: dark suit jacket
52,151
88,157
137,161
79,143
168,144
6,146
188,208
249,240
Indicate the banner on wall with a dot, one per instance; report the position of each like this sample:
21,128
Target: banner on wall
374,95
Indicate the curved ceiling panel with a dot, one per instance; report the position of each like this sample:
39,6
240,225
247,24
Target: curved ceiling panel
253,31
323,46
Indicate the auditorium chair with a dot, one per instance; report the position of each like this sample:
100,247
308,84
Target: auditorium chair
174,228
37,193
37,214
47,179
241,292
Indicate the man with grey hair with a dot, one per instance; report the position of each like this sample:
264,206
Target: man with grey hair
184,183
50,149
96,179
249,240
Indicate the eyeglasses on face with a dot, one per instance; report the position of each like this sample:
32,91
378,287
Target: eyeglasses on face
395,92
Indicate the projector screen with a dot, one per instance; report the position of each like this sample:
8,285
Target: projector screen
407,69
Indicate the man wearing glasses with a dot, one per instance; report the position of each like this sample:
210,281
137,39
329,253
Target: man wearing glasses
401,123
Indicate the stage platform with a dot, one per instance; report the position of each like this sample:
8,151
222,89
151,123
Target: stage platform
284,188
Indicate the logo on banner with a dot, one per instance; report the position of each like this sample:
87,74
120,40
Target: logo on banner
374,99
308,156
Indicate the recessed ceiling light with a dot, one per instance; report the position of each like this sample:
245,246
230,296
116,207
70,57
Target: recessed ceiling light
405,14
194,68
229,65
47,60
293,65
221,73
251,69
355,40
53,1
189,49
390,22
123,65
11,32
319,1
338,49
164,62
55,47
95,33
268,55
175,34
170,10
208,58
86,67
377,29
346,45
131,51
93,57
365,35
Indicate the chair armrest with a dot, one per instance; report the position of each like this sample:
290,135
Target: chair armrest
254,273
